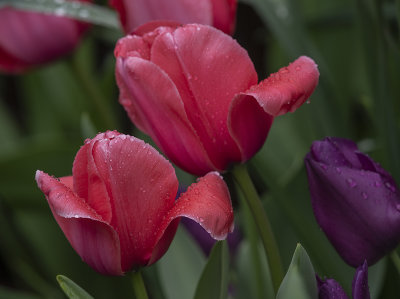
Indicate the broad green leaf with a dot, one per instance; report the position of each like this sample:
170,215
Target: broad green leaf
71,289
299,282
247,279
180,269
214,280
91,13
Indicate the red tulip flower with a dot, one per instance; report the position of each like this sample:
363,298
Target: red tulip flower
218,13
118,209
194,90
32,38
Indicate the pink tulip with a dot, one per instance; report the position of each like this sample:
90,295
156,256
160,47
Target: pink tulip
218,13
31,38
194,90
118,209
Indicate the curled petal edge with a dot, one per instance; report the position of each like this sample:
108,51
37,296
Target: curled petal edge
93,239
208,203
252,112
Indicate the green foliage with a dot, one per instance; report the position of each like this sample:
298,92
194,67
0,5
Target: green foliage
214,280
71,289
299,281
46,113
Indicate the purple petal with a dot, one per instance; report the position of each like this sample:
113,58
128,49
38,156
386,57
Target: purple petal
360,283
330,289
359,210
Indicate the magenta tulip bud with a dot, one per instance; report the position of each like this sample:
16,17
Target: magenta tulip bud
331,289
118,209
220,14
355,201
194,90
29,39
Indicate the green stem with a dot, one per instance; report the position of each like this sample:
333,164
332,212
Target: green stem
260,218
138,285
250,230
396,260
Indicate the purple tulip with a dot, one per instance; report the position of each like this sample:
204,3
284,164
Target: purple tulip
331,289
355,201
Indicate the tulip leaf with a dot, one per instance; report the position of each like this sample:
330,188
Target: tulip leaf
299,282
91,13
71,289
186,261
213,283
253,281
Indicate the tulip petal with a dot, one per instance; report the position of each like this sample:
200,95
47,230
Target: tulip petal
336,152
154,105
360,282
88,183
330,289
208,68
135,13
142,186
224,12
252,112
249,125
208,203
286,90
359,212
22,30
93,239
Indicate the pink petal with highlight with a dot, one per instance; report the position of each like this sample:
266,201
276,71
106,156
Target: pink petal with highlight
142,186
288,89
153,103
88,183
252,112
93,239
208,68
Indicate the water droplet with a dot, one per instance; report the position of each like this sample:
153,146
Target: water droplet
324,167
284,70
83,13
390,187
201,220
364,195
377,184
351,182
60,11
298,68
308,102
338,170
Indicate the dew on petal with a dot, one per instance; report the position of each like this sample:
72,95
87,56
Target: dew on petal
351,182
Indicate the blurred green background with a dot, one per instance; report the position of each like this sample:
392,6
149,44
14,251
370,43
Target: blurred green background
46,113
